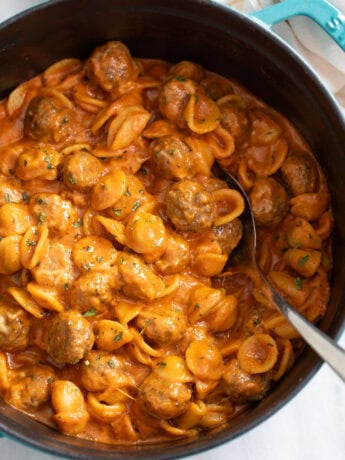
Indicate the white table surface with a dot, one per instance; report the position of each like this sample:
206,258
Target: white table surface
310,427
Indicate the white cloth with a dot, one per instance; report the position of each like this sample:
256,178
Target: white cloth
311,42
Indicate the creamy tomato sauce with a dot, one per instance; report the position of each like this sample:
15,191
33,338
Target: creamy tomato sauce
124,317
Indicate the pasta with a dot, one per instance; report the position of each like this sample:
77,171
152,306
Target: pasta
124,316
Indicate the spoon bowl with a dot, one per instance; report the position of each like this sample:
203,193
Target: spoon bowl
245,253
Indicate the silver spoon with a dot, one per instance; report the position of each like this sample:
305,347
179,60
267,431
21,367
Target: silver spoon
325,347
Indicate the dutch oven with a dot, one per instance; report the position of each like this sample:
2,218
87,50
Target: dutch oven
231,44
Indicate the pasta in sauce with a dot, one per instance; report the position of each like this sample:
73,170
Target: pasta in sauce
116,323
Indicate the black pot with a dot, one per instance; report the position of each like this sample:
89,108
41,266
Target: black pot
228,43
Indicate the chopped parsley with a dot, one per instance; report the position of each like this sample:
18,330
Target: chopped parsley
111,364
162,364
7,198
303,260
39,201
143,171
127,192
136,205
99,259
25,163
116,212
118,337
256,321
72,179
78,223
91,312
75,360
30,243
122,260
298,283
65,286
41,218
196,306
25,197
48,160
180,78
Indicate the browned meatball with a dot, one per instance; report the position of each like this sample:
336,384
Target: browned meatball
14,329
235,120
170,158
32,388
81,171
111,66
101,370
163,326
190,206
94,290
70,337
48,120
228,235
269,201
174,96
241,386
164,398
56,268
187,70
299,173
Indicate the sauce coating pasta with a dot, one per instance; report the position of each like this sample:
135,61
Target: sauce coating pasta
117,323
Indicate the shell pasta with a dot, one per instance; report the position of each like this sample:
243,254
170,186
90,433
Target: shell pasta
124,316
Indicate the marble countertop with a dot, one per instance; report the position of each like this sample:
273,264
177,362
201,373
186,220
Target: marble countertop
310,427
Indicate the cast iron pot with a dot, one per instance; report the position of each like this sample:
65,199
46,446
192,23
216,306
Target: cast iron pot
233,45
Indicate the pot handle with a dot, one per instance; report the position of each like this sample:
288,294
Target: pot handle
322,12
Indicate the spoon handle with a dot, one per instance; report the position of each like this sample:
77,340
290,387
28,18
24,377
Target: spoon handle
325,347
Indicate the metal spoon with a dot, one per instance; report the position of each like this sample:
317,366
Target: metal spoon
325,347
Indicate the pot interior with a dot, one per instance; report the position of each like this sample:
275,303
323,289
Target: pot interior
230,44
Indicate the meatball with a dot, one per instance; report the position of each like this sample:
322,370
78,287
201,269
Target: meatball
14,329
236,121
300,174
269,201
174,96
190,206
228,235
242,387
70,337
187,69
94,290
111,66
32,388
81,171
164,398
56,269
101,370
163,326
170,158
59,214
138,280
48,120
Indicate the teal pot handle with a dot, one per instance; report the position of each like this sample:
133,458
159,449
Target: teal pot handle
322,12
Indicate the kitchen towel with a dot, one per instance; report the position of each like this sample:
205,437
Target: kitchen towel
311,42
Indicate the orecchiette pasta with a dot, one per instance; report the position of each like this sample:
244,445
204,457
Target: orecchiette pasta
124,314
